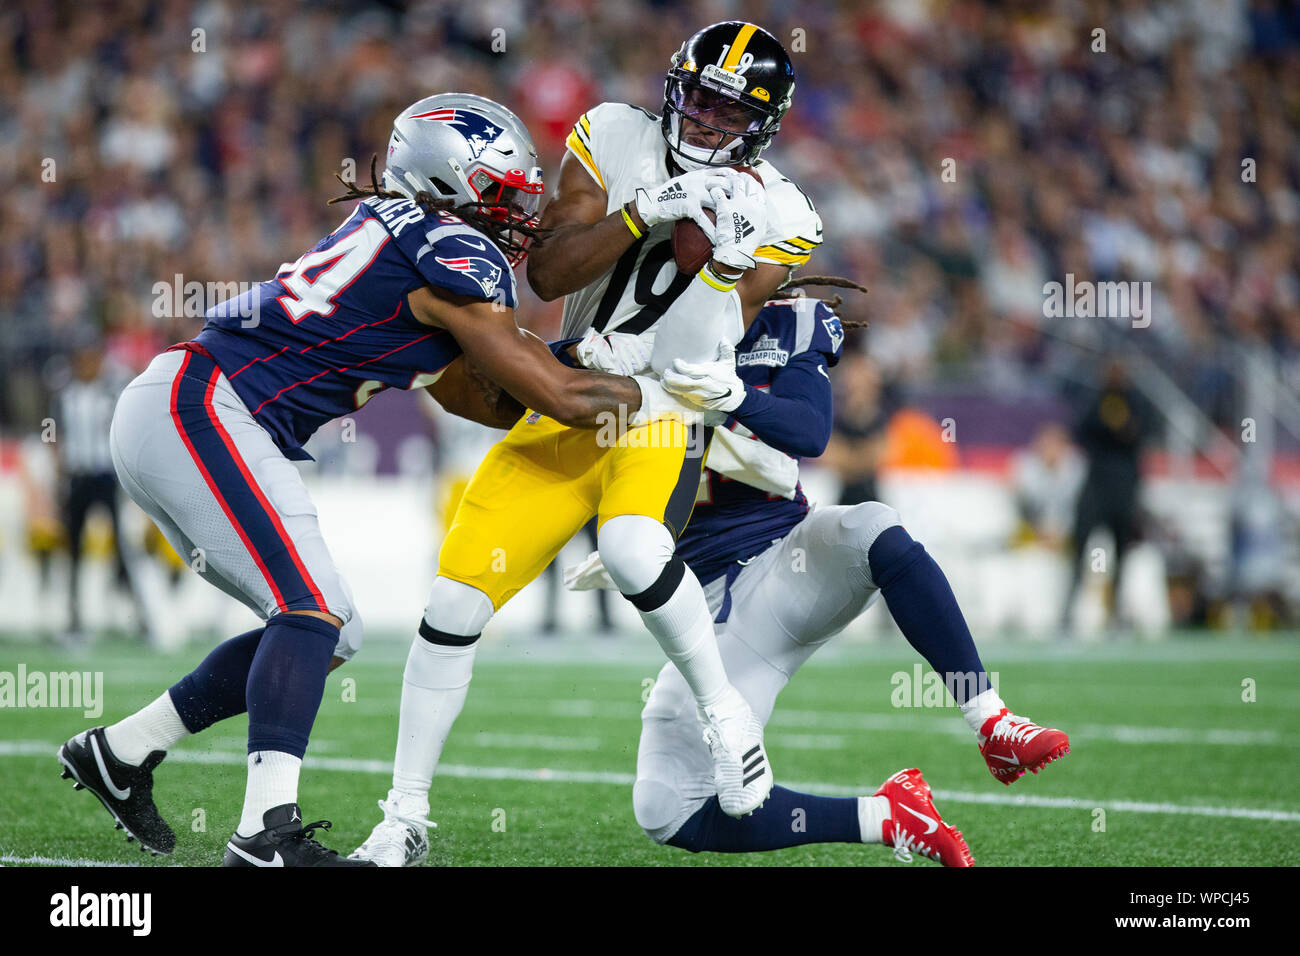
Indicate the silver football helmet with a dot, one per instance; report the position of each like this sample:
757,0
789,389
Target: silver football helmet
470,150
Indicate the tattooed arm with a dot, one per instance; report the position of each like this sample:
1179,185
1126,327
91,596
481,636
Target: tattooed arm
465,390
520,363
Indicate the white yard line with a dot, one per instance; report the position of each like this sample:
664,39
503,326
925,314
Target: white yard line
33,748
905,720
955,726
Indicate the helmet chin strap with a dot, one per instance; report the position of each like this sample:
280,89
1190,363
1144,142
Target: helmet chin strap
409,185
691,158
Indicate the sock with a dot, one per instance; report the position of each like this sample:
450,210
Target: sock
438,671
980,708
922,604
683,627
434,686
638,553
215,689
157,726
272,782
872,814
788,818
286,682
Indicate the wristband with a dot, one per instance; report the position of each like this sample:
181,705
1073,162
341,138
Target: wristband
628,219
719,282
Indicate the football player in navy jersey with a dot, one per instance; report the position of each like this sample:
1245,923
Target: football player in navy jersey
414,289
782,580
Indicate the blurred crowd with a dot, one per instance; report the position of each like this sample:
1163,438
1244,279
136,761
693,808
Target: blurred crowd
961,153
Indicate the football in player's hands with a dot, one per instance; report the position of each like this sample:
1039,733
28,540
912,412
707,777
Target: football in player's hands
692,249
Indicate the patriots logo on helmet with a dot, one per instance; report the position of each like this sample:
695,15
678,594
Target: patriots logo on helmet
478,130
487,274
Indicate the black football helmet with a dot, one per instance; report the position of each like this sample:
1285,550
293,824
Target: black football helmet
724,96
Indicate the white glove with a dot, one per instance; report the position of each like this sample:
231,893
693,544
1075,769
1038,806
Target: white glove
589,575
711,385
657,403
617,353
741,220
685,197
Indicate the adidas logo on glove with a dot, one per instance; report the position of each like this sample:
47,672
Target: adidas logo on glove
742,226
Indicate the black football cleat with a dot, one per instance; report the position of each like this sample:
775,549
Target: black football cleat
285,842
125,791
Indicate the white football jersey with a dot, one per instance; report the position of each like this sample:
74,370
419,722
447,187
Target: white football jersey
623,149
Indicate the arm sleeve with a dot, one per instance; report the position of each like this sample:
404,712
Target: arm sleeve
693,325
794,414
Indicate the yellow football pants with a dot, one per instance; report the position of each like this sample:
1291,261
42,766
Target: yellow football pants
540,484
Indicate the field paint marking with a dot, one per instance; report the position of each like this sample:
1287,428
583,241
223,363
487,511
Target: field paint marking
1115,733
535,742
902,722
28,748
9,859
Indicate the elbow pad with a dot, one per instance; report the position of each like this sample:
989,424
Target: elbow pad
702,317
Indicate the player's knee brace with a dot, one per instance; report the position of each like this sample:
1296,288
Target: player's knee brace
864,524
638,552
456,613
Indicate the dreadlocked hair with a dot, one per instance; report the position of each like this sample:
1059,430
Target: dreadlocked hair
838,282
501,234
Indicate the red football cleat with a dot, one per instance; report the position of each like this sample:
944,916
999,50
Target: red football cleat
1013,745
914,825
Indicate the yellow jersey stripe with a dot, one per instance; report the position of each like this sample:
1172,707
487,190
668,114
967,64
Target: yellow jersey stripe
579,149
583,129
801,243
777,254
738,47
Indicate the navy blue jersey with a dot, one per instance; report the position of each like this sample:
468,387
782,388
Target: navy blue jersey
784,356
333,328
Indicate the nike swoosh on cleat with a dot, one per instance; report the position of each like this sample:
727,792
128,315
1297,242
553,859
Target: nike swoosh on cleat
1013,759
103,772
930,822
276,859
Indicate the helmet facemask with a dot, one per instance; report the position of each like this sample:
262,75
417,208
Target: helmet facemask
512,200
707,127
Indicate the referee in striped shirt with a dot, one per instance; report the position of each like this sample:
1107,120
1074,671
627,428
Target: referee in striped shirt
83,413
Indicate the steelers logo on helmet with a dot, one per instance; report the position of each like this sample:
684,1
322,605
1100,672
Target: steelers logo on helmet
725,94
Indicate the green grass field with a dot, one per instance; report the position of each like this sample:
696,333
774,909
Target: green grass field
538,769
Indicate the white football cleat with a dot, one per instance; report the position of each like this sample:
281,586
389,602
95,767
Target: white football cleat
741,771
402,838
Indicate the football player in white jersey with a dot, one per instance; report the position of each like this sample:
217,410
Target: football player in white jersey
627,178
